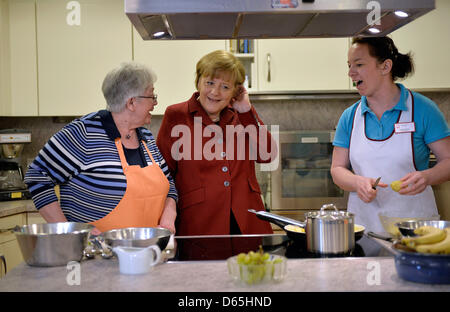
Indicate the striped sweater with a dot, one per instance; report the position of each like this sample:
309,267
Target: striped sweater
83,160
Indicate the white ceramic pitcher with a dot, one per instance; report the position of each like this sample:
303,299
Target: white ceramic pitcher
134,260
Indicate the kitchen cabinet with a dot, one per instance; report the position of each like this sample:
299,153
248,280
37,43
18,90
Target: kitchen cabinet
9,246
35,218
174,63
302,64
76,46
18,67
427,39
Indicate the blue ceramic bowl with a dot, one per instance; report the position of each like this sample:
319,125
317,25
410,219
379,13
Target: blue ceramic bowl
423,268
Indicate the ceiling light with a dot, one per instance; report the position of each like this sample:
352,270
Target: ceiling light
158,27
374,30
158,34
401,14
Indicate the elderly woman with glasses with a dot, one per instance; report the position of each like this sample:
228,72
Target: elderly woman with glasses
107,165
211,143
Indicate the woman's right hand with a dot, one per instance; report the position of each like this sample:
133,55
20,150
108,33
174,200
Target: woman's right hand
95,232
363,186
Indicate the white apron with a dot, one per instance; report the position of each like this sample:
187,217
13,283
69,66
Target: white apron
390,159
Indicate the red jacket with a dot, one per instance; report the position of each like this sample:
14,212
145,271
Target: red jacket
209,189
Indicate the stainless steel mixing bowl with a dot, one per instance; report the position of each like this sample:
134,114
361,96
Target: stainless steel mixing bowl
53,244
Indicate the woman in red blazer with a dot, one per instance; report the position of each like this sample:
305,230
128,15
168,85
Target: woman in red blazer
211,143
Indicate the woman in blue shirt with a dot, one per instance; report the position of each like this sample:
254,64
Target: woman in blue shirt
388,133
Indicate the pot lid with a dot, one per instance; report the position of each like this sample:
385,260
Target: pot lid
334,215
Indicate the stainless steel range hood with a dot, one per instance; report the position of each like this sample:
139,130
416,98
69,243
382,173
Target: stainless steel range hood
226,19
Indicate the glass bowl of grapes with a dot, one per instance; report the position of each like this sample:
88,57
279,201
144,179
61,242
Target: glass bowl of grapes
257,267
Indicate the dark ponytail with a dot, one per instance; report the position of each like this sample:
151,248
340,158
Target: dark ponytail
383,48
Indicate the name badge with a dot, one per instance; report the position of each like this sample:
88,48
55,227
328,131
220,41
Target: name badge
405,127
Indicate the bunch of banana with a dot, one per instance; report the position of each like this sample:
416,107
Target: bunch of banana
429,240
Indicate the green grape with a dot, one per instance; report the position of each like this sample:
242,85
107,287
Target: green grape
256,257
255,273
260,272
254,266
278,260
240,258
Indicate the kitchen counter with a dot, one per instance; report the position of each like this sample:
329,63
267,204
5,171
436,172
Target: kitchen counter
303,275
11,207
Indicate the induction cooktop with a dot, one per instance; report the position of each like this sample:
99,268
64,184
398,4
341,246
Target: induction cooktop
194,248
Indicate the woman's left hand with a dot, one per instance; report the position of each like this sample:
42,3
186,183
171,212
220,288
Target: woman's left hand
413,183
169,215
241,102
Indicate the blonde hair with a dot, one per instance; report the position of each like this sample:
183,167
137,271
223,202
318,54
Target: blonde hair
217,62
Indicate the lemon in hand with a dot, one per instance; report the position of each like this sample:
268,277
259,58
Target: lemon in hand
396,185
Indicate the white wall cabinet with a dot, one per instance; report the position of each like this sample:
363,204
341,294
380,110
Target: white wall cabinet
18,69
174,63
76,47
428,40
302,64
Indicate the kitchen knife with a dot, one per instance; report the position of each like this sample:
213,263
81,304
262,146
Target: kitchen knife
374,186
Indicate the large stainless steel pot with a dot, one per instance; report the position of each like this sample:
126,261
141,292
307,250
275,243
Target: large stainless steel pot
330,232
327,232
53,244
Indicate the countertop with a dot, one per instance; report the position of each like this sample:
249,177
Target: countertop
367,274
11,207
303,275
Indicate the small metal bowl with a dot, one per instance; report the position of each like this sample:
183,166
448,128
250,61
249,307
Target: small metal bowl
407,228
389,222
137,237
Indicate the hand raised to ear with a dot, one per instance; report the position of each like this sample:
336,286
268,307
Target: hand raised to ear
241,102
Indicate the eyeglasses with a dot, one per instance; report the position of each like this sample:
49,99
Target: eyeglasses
154,97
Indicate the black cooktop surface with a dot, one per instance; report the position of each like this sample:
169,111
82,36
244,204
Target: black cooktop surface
191,248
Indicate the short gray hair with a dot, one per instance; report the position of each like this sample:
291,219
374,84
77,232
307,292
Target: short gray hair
128,80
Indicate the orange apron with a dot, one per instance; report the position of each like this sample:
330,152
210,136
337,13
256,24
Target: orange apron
143,202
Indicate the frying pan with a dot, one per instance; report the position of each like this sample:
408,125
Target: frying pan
283,222
418,267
